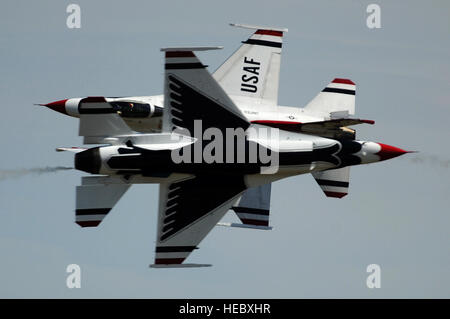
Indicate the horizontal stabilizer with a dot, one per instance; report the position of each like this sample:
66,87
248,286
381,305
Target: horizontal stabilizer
334,182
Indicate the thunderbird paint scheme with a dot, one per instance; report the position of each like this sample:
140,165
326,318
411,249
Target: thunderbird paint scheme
164,138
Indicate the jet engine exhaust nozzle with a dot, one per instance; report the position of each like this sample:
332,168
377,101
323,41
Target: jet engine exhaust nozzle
89,160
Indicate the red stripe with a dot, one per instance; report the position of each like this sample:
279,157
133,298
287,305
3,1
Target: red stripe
255,222
270,32
343,81
335,194
180,54
274,122
89,223
168,261
368,121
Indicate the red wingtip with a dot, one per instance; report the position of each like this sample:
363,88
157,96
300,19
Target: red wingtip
335,194
388,151
89,223
58,106
168,261
269,32
343,81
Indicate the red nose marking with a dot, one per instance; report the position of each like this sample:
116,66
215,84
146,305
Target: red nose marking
388,151
58,106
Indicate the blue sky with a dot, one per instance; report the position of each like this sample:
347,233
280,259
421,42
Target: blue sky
396,214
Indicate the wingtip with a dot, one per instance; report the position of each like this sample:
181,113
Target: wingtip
181,49
335,194
343,81
257,27
179,265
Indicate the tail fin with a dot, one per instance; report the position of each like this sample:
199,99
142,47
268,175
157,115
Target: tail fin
253,70
336,97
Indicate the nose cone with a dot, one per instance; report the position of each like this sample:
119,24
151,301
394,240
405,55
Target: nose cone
388,151
58,106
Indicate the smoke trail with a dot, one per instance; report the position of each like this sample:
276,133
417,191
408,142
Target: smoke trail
431,160
17,173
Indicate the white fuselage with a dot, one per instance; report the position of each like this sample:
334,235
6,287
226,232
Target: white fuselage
253,112
285,143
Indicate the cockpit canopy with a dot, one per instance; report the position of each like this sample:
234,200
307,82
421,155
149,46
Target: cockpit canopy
129,109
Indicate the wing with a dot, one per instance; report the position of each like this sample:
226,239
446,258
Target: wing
333,128
188,210
191,93
334,182
253,71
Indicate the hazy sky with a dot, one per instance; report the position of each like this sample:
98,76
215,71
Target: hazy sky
396,215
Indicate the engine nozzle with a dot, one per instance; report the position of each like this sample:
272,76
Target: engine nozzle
89,160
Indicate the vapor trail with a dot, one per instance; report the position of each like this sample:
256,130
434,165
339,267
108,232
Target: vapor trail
17,173
431,160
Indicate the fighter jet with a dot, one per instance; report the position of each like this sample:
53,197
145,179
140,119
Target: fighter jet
209,157
250,78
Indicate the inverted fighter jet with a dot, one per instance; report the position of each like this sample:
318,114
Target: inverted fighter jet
206,158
